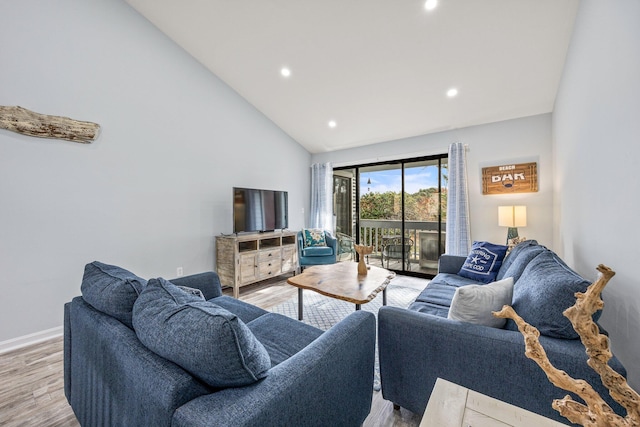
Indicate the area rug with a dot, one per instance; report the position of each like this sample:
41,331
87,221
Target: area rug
324,312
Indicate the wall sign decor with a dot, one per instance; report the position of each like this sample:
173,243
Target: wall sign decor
509,179
21,120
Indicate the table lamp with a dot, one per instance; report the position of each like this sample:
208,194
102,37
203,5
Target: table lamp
512,217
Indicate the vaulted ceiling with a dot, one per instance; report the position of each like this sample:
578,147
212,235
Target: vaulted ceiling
379,69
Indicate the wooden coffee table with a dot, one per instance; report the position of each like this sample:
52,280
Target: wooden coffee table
341,281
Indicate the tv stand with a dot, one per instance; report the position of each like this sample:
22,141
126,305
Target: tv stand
249,258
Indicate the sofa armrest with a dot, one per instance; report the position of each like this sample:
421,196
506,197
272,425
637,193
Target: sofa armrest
332,242
417,348
450,263
110,374
208,283
330,382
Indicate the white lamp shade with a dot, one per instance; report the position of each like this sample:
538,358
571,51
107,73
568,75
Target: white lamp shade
512,216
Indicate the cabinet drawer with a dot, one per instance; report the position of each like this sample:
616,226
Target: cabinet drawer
271,254
269,268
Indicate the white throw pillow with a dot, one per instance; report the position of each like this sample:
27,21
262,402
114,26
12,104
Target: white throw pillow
474,303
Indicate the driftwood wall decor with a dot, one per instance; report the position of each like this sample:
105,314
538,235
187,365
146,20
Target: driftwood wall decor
596,412
21,120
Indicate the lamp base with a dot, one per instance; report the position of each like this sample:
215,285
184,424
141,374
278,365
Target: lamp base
512,233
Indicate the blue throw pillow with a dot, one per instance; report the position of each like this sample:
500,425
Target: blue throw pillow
545,289
515,256
193,291
314,237
483,262
111,290
206,340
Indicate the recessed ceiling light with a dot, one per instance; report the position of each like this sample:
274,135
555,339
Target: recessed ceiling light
452,92
430,4
332,124
285,72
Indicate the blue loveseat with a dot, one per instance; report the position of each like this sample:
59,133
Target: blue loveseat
180,353
419,344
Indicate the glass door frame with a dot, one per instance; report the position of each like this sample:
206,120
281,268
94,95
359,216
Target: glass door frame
401,163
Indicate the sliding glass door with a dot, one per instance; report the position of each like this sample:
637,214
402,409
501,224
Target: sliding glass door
398,207
425,211
345,212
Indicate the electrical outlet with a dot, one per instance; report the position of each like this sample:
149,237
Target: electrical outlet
179,272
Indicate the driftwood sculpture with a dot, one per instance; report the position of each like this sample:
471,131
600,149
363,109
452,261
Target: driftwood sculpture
362,251
596,412
21,120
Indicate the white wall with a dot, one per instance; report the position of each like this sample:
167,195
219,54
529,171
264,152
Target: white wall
512,141
153,190
596,131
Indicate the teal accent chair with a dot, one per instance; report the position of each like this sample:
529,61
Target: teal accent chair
317,255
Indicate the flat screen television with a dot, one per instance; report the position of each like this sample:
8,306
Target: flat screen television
259,210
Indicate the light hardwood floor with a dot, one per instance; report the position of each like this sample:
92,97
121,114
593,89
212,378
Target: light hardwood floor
32,388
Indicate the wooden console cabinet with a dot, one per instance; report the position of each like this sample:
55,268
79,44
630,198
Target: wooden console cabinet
249,258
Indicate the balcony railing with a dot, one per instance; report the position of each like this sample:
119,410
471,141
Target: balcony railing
425,250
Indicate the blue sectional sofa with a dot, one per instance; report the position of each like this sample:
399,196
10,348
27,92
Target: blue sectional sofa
419,344
180,353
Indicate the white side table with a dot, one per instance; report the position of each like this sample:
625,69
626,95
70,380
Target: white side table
451,405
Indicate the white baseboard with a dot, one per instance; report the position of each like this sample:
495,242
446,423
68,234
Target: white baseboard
26,340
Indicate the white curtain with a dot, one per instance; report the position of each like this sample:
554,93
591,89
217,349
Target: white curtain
321,215
458,231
